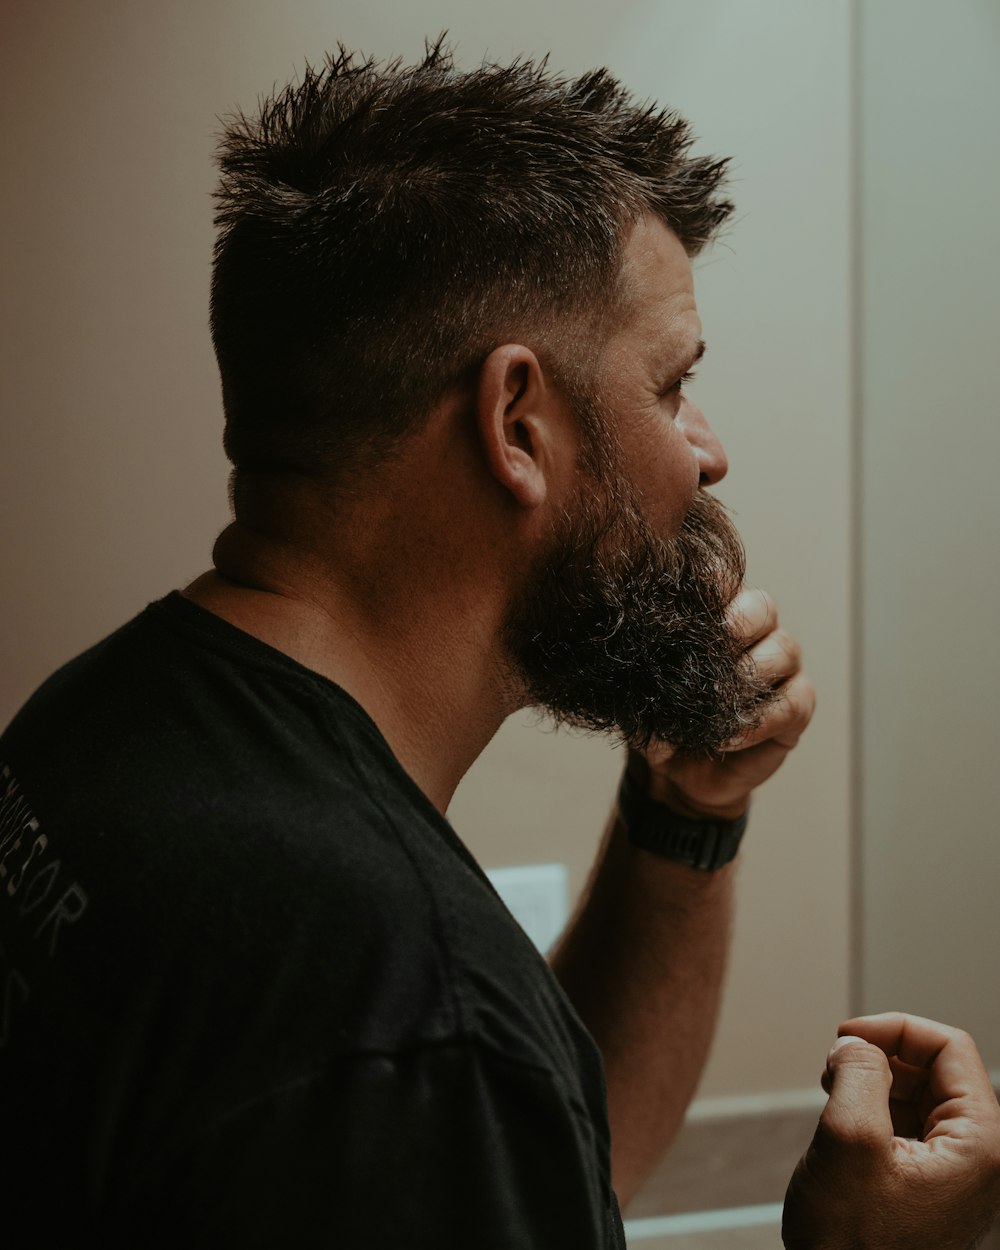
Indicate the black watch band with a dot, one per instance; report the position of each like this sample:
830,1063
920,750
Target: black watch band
705,844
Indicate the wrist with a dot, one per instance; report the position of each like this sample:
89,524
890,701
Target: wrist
703,843
661,788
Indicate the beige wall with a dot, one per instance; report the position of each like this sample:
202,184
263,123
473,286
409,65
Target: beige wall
930,319
113,484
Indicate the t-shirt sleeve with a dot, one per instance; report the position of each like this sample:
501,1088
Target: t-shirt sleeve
446,1147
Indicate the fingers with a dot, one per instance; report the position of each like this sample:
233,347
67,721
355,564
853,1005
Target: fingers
752,615
909,1099
939,1080
858,1080
784,719
861,1184
720,787
948,1055
776,657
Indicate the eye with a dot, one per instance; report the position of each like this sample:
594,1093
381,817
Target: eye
676,387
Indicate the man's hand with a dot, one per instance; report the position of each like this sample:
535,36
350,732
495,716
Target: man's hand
907,1152
722,787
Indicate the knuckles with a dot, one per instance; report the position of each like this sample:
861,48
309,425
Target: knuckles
767,610
802,703
793,710
838,1136
791,648
754,613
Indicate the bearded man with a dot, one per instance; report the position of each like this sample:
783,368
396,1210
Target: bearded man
265,996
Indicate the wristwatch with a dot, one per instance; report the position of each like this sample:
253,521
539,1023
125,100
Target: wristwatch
705,844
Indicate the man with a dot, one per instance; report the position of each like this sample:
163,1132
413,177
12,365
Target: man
257,991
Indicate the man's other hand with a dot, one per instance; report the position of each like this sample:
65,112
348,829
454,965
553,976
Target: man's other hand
907,1152
721,787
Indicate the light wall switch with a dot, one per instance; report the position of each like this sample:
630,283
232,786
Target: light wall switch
538,898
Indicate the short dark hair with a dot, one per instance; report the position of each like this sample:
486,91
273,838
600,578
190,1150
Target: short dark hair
383,227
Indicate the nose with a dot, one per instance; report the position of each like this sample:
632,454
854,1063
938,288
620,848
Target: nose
709,452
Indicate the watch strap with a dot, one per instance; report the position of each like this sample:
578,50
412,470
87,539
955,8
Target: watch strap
704,844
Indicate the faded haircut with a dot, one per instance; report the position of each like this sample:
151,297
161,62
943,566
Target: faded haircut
382,228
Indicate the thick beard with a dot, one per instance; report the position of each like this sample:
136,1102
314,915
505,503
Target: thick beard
622,632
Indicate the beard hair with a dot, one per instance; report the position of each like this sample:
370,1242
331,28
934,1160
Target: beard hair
620,631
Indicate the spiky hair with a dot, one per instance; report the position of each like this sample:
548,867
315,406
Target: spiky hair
382,227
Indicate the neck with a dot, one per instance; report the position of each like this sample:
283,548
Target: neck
418,652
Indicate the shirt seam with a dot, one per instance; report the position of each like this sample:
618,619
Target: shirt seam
460,1042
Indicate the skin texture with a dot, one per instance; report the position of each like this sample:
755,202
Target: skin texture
668,447
422,646
909,1143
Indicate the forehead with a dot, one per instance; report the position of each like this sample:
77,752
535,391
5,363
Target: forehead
659,290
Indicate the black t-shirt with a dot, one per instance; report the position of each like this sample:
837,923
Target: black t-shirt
254,991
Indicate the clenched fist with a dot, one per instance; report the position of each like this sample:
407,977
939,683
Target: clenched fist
907,1152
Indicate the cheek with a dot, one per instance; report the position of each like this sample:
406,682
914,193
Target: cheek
666,476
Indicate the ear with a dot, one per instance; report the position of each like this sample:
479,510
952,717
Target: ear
521,422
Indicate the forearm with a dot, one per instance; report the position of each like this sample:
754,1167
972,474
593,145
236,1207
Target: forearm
644,958
643,963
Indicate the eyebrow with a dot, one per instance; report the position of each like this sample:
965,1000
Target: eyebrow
678,368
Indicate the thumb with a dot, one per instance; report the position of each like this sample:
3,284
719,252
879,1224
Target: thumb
858,1080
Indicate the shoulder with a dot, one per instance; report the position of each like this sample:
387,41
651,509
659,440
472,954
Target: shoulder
439,1146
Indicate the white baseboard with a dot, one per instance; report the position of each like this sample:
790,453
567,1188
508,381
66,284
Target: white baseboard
773,1102
704,1222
